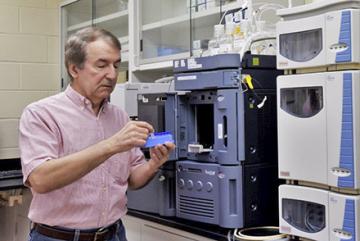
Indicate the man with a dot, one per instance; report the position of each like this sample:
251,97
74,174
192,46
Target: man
80,153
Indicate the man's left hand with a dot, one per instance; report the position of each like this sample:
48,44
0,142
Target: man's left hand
160,154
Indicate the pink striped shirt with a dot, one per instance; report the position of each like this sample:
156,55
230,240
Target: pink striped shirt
63,124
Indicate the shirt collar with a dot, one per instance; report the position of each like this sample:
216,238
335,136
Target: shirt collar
82,101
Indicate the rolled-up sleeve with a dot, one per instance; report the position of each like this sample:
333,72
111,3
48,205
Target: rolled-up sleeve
137,158
39,140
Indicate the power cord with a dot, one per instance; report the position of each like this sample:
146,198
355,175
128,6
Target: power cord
247,82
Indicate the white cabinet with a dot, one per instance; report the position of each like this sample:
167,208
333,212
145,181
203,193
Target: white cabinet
153,32
163,30
142,230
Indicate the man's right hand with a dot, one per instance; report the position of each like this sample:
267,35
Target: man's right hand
133,134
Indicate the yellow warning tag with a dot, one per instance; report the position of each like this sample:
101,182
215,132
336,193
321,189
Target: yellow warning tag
248,81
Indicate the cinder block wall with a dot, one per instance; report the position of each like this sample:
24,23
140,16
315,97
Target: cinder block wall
29,70
29,62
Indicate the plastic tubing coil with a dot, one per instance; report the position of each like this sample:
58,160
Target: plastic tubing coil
260,234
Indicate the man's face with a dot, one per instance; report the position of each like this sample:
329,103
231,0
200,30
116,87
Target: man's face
97,79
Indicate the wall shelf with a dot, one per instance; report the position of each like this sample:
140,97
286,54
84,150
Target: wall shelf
120,16
183,18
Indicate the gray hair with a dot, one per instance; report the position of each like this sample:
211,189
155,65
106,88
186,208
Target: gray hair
75,47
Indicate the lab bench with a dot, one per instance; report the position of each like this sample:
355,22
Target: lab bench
10,174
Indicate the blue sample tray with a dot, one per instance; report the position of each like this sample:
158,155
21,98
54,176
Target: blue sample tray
158,139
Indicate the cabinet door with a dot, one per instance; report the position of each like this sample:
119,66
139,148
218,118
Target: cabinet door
138,229
132,227
74,16
164,30
162,233
111,15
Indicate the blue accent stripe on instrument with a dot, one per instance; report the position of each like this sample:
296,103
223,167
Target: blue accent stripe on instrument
349,219
345,38
347,132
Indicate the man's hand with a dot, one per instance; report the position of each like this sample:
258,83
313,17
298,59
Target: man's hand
133,134
160,154
143,174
